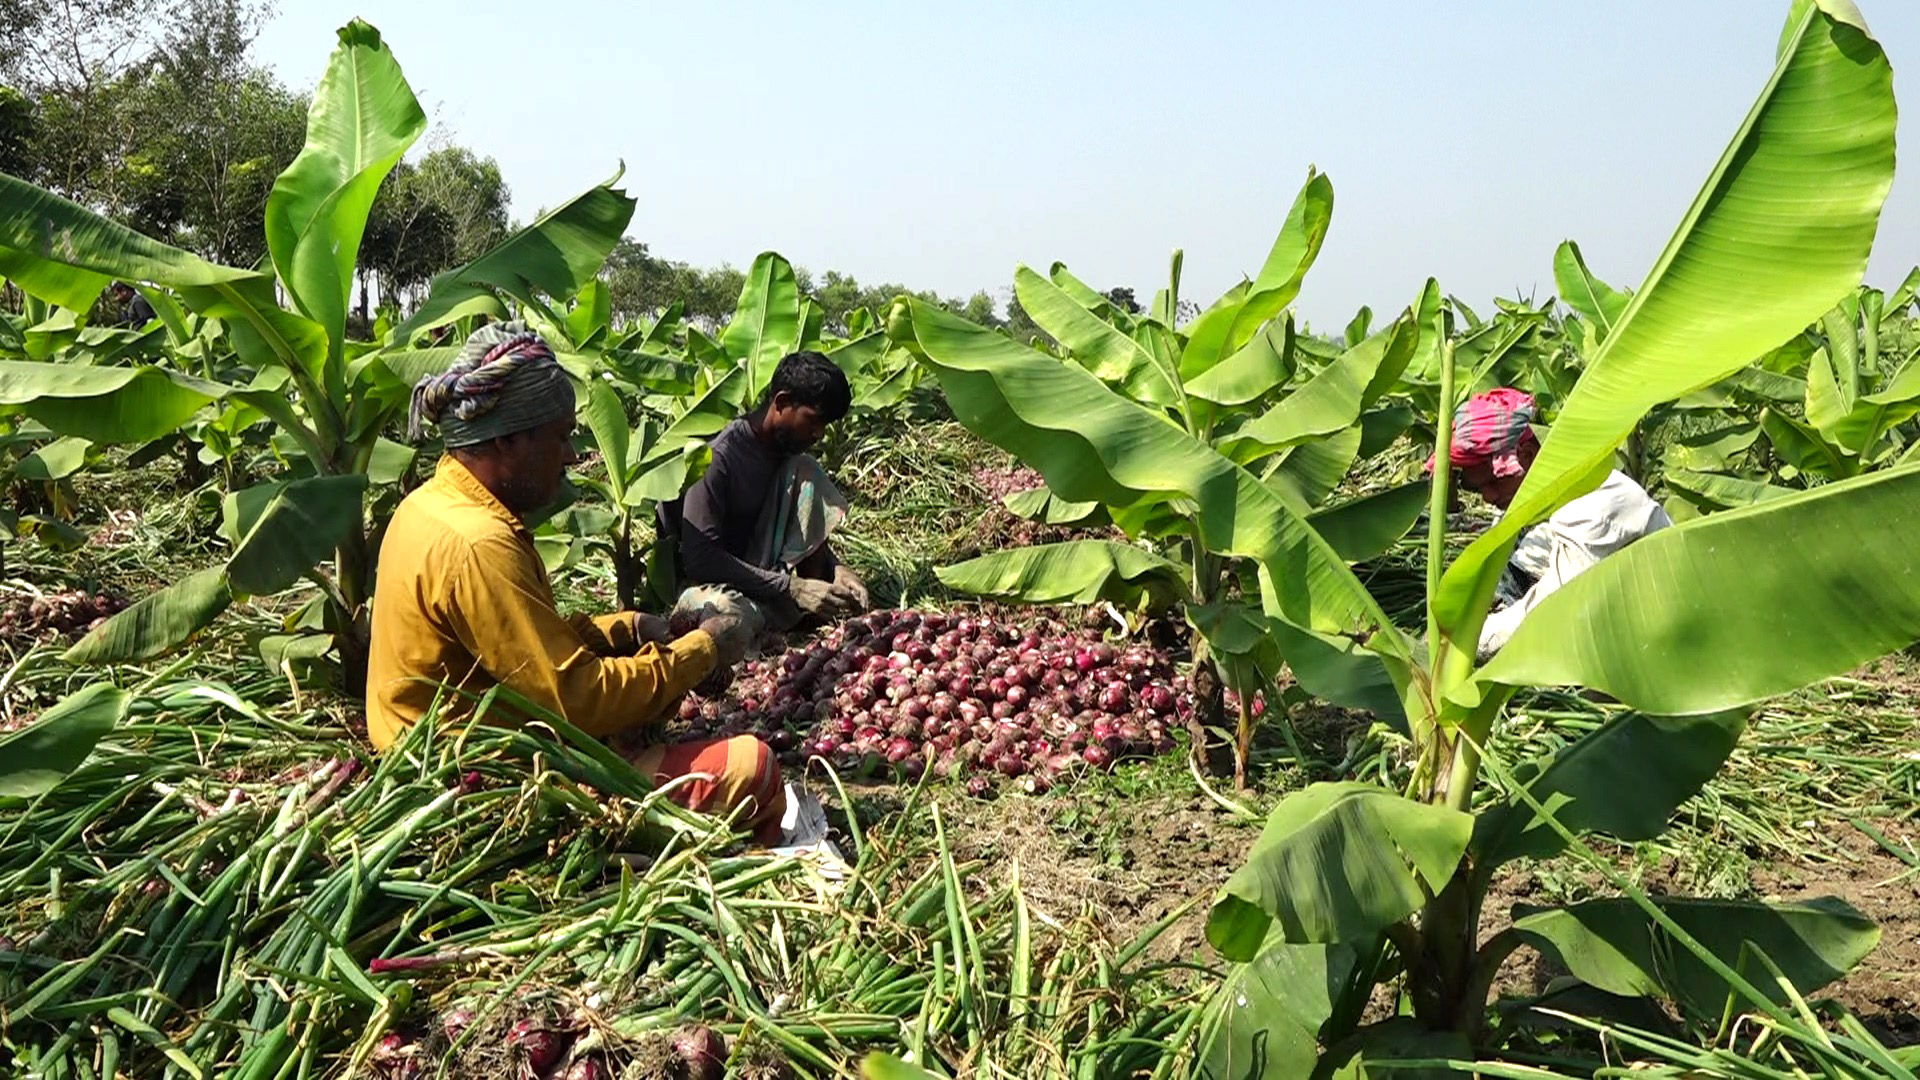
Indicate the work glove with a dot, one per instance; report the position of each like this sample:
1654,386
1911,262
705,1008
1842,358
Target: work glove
701,602
825,599
731,637
651,629
845,578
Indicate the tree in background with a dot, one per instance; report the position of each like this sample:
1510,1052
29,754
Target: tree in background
85,63
445,211
469,190
203,157
638,285
154,115
157,116
1020,325
16,132
409,238
207,131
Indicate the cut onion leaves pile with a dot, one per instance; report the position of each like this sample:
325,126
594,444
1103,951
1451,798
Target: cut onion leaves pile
967,696
236,886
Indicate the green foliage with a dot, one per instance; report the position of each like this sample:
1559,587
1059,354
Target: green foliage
1612,945
158,622
1707,616
554,258
35,758
1836,401
281,531
1211,445
448,209
1337,862
17,127
1624,780
329,399
1074,572
766,325
1725,597
1266,1020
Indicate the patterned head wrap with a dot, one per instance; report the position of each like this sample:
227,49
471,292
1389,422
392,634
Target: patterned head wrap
1490,429
506,380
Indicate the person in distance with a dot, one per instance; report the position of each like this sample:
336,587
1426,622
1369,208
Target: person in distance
1493,446
758,523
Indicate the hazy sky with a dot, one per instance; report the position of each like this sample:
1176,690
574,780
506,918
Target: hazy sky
939,145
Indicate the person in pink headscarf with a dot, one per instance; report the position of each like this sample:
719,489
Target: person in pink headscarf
1494,444
1493,447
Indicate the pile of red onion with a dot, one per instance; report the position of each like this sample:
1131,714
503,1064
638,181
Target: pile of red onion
965,696
1000,483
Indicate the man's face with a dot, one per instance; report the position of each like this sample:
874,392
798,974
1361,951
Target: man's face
795,427
537,462
1498,490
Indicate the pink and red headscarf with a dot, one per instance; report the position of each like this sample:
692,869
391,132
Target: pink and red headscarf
1490,428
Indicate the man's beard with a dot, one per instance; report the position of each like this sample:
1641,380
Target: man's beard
526,495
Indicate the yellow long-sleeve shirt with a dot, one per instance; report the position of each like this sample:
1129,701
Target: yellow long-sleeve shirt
462,599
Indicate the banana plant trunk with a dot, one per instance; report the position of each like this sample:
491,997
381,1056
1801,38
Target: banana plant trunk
626,568
1209,712
1442,972
352,627
1209,692
193,471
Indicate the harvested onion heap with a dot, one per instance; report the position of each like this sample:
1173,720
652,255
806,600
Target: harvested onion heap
66,613
964,696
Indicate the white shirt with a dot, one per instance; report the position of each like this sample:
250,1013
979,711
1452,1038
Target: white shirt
1574,538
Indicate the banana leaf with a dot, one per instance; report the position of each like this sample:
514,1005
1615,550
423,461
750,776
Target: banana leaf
1741,274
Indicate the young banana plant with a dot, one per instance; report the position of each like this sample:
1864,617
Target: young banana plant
1856,381
1199,440
330,400
1351,885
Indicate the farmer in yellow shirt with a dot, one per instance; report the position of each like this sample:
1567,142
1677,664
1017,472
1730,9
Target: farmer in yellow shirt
462,601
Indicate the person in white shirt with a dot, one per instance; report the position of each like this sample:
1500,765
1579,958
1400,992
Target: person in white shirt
1493,446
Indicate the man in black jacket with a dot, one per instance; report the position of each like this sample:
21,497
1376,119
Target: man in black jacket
758,522
135,311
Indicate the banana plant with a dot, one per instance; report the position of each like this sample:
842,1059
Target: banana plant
667,360
646,465
329,399
1851,390
1352,885
1182,437
38,468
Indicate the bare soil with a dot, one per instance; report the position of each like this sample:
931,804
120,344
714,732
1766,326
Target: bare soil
1129,864
1885,989
1131,861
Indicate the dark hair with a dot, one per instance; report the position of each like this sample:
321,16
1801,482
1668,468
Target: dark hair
811,379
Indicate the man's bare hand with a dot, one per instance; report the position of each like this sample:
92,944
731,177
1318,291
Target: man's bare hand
651,629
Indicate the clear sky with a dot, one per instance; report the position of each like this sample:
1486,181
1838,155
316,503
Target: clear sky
938,146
